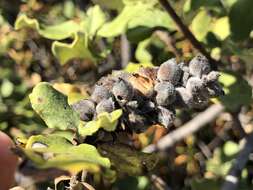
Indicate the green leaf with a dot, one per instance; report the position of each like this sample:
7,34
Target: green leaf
241,19
234,85
230,148
141,53
221,28
7,88
53,151
142,16
95,19
207,184
56,32
222,159
106,121
228,3
142,26
110,4
133,67
69,9
201,24
133,183
134,2
52,106
126,159
152,17
77,49
196,4
119,24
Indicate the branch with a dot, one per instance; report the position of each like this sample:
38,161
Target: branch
231,180
189,128
187,33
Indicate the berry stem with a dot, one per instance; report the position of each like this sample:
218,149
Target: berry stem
187,33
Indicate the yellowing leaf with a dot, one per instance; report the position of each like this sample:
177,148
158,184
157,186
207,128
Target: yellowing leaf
53,151
221,28
107,121
141,53
134,67
119,24
237,91
201,24
73,92
77,49
140,15
95,19
56,32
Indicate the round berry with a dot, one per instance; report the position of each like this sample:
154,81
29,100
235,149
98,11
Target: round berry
199,66
137,122
123,91
183,98
169,71
195,85
105,106
166,93
86,109
100,93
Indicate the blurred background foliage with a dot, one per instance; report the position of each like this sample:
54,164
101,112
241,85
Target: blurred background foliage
72,43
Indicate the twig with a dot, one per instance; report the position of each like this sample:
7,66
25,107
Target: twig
169,42
189,128
237,125
231,180
187,33
159,183
204,149
221,137
125,51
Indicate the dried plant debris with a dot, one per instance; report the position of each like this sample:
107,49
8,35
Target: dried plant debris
151,95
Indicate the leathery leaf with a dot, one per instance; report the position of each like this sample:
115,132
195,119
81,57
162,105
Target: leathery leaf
106,121
52,106
55,32
53,151
125,159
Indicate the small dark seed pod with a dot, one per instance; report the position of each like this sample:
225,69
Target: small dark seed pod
86,109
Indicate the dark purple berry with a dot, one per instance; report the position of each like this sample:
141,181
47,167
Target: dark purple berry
166,93
169,71
86,109
123,91
100,93
105,106
199,66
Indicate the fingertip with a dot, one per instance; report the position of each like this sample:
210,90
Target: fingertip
8,162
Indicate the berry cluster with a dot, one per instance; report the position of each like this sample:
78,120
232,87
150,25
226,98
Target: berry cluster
151,95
